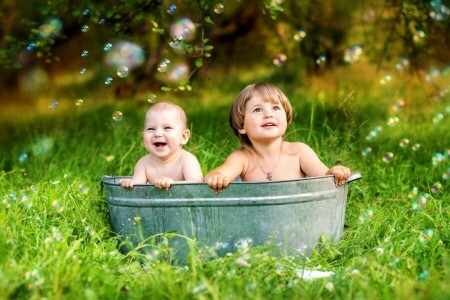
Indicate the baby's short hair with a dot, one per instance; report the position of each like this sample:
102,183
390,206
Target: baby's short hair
268,92
167,105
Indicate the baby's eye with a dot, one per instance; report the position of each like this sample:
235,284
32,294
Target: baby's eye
150,129
168,128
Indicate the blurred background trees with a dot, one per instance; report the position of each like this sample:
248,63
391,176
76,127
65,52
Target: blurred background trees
132,46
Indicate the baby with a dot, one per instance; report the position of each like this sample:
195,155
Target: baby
259,117
164,135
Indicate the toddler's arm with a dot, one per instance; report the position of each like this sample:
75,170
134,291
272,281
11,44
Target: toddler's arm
192,172
219,178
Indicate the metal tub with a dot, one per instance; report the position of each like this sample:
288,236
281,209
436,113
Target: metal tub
291,214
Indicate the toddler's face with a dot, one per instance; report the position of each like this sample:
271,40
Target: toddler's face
164,134
264,119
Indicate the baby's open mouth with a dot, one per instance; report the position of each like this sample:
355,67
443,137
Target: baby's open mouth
159,144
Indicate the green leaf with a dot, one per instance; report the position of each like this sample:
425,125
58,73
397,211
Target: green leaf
165,89
199,62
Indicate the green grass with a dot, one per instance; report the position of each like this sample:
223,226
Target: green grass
56,241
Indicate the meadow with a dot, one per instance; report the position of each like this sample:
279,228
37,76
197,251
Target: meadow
56,241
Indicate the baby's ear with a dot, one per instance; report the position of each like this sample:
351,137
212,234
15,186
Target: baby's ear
186,136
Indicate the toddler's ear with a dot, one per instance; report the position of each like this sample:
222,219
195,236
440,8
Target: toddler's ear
242,131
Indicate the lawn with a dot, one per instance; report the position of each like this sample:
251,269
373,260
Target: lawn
56,240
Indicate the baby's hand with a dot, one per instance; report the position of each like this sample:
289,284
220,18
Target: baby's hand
217,182
340,173
126,183
163,183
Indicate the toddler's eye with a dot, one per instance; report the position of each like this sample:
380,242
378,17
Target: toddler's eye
257,110
276,108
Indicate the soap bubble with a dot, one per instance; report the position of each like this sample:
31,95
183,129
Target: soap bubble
151,98
117,116
243,244
279,60
43,146
84,189
122,71
386,78
107,46
438,12
399,104
415,147
83,71
392,121
84,53
58,207
403,143
423,275
438,118
183,27
413,194
163,65
366,215
79,102
31,46
108,81
436,187
23,157
321,60
402,64
86,11
85,28
53,105
172,9
125,53
101,21
218,9
426,235
299,35
352,54
366,151
446,174
178,72
419,36
176,41
50,28
388,157
437,158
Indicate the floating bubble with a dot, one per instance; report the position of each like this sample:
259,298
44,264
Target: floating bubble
426,235
423,275
446,175
178,72
183,27
374,133
101,21
415,147
321,60
43,145
89,230
438,118
437,158
122,71
386,78
58,207
84,189
243,244
53,104
388,157
176,41
352,54
413,194
439,95
219,8
436,187
85,28
392,121
108,81
83,71
279,60
117,116
404,143
419,36
79,102
6,203
23,157
107,46
299,35
432,74
422,199
125,53
31,46
366,215
84,53
86,12
172,9
399,104
366,151
50,28
151,98
12,196
163,65
402,64
438,12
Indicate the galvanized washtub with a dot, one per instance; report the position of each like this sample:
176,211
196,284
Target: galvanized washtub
292,214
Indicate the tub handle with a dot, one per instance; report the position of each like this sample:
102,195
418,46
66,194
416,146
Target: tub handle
353,177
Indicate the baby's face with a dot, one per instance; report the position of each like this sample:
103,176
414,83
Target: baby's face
264,119
164,134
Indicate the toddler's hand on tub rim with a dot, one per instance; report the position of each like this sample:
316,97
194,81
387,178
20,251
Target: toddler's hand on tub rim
341,173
